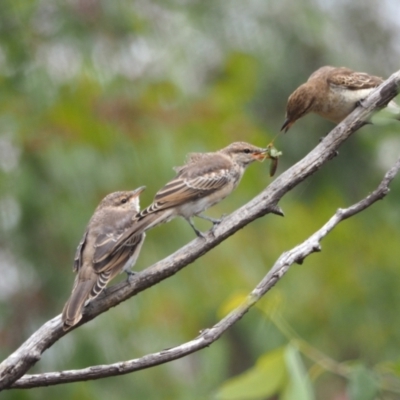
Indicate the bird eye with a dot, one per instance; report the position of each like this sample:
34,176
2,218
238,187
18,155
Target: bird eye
247,151
124,200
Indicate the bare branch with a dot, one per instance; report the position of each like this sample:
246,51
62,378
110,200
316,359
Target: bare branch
266,202
208,336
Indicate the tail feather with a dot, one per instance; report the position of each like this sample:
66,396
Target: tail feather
83,291
143,222
101,283
72,312
149,219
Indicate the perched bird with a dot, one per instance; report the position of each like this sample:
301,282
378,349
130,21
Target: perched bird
104,251
204,180
333,93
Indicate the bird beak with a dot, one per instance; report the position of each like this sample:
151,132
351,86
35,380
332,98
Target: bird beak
135,200
261,156
286,125
138,190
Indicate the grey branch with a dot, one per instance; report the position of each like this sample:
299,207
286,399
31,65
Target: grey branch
19,362
210,335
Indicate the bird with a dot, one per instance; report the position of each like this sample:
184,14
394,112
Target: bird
333,93
104,251
203,181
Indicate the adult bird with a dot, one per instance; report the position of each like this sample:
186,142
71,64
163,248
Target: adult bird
333,93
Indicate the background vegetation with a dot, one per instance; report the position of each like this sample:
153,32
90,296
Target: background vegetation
98,96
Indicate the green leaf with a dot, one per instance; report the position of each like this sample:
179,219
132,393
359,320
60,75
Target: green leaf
265,379
363,384
299,385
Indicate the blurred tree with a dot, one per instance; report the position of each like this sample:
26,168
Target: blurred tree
95,94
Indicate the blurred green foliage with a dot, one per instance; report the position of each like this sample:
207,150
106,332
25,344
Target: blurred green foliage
98,96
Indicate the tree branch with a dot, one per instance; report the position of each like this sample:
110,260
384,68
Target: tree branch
210,335
266,202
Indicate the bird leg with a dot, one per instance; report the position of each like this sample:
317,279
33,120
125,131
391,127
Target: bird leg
214,221
197,232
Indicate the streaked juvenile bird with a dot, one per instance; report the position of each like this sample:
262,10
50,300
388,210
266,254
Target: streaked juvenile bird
204,180
104,251
333,93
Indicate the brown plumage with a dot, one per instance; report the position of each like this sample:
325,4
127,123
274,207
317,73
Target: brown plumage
204,180
333,93
104,251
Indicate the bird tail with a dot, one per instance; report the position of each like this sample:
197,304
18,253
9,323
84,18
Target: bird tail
149,220
83,291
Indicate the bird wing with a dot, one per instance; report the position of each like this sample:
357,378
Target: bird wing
196,179
113,247
78,253
353,80
112,253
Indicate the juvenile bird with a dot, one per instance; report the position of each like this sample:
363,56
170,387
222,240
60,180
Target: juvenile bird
204,180
333,93
104,251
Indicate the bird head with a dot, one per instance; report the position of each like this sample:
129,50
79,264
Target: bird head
299,104
245,153
128,200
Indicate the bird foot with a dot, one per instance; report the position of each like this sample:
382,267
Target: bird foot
216,222
360,103
199,233
130,274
